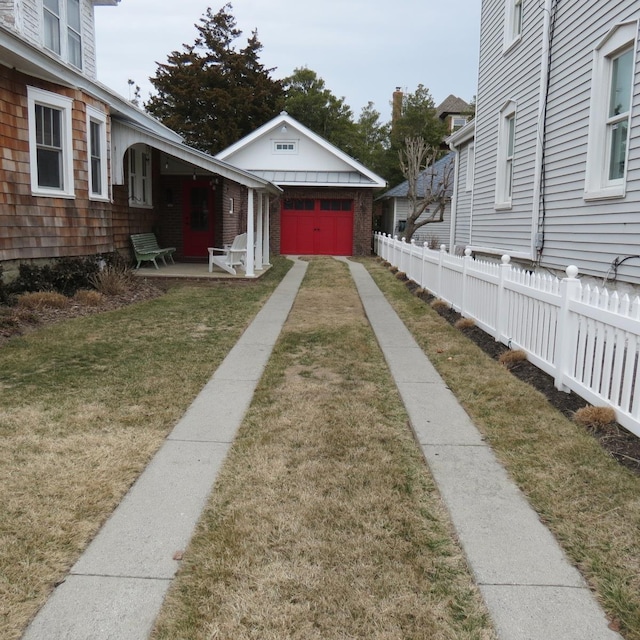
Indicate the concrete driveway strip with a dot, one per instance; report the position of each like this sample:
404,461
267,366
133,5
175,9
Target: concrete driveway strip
116,588
531,590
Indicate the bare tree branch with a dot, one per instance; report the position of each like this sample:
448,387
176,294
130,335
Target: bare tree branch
417,161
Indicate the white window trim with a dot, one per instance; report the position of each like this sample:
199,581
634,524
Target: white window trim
63,34
471,158
504,199
93,115
293,150
65,105
597,183
142,151
511,38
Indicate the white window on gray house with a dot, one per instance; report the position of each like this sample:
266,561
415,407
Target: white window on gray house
610,113
514,11
62,29
97,148
50,143
140,176
506,156
457,122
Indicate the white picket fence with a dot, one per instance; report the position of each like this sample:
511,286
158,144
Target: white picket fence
586,338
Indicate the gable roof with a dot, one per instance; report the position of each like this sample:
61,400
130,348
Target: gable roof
452,104
436,172
343,170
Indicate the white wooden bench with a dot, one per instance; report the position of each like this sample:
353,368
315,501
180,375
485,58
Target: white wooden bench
233,255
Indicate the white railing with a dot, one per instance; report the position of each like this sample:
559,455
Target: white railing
586,338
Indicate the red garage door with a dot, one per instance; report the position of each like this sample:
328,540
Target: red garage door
316,227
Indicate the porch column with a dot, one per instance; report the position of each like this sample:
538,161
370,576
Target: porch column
249,270
259,232
265,234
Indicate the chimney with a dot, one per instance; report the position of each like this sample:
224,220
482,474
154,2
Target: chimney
396,105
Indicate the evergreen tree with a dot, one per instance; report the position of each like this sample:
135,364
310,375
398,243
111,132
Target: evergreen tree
211,93
311,103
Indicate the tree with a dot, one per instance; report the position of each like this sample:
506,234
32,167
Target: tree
429,182
417,119
311,103
372,142
211,93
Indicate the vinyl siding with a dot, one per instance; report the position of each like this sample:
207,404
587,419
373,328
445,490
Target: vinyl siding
462,230
24,16
589,234
503,76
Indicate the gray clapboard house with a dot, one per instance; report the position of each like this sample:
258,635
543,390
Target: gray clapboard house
549,171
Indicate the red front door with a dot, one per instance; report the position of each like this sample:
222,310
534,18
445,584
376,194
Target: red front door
197,218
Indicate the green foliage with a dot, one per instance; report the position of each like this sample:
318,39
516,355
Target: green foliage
4,291
212,93
311,103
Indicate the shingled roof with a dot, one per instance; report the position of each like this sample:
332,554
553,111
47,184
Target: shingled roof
452,104
437,170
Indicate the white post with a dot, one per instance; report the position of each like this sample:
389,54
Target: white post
443,249
259,233
569,290
465,276
249,270
266,258
501,305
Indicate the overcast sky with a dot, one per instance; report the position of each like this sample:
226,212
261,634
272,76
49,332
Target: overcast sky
363,49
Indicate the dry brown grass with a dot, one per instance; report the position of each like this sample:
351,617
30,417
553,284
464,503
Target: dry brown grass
324,522
41,299
511,357
597,418
88,297
439,305
83,406
588,500
113,280
465,323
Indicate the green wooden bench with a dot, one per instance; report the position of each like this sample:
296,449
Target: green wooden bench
146,248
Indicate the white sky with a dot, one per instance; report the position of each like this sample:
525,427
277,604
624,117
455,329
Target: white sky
363,49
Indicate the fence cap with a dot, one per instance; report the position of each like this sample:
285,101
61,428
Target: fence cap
572,271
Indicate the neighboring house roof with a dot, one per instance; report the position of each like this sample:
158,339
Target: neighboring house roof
437,170
452,104
314,162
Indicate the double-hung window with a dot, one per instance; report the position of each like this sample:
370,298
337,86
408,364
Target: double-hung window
506,155
50,143
140,176
62,29
97,152
610,114
514,11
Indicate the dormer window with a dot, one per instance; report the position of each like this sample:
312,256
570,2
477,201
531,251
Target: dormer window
62,29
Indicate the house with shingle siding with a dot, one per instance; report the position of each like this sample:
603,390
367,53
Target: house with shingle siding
81,168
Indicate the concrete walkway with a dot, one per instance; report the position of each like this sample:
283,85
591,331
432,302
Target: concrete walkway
116,588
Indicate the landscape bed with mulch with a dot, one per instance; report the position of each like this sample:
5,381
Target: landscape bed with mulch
620,443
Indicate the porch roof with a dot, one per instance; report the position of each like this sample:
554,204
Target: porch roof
126,133
316,178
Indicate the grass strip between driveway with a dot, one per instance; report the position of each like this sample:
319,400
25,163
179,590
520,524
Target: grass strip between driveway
589,501
84,405
325,522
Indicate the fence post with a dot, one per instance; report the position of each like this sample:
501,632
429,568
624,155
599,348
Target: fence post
425,244
465,265
443,248
502,310
565,336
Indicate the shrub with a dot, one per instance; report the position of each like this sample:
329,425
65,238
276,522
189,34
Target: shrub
113,280
509,358
439,305
596,418
4,291
465,323
43,299
89,298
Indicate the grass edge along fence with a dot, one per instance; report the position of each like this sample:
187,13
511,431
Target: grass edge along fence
586,338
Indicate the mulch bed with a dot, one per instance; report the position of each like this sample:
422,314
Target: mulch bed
616,440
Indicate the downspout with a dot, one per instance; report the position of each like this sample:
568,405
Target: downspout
537,221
